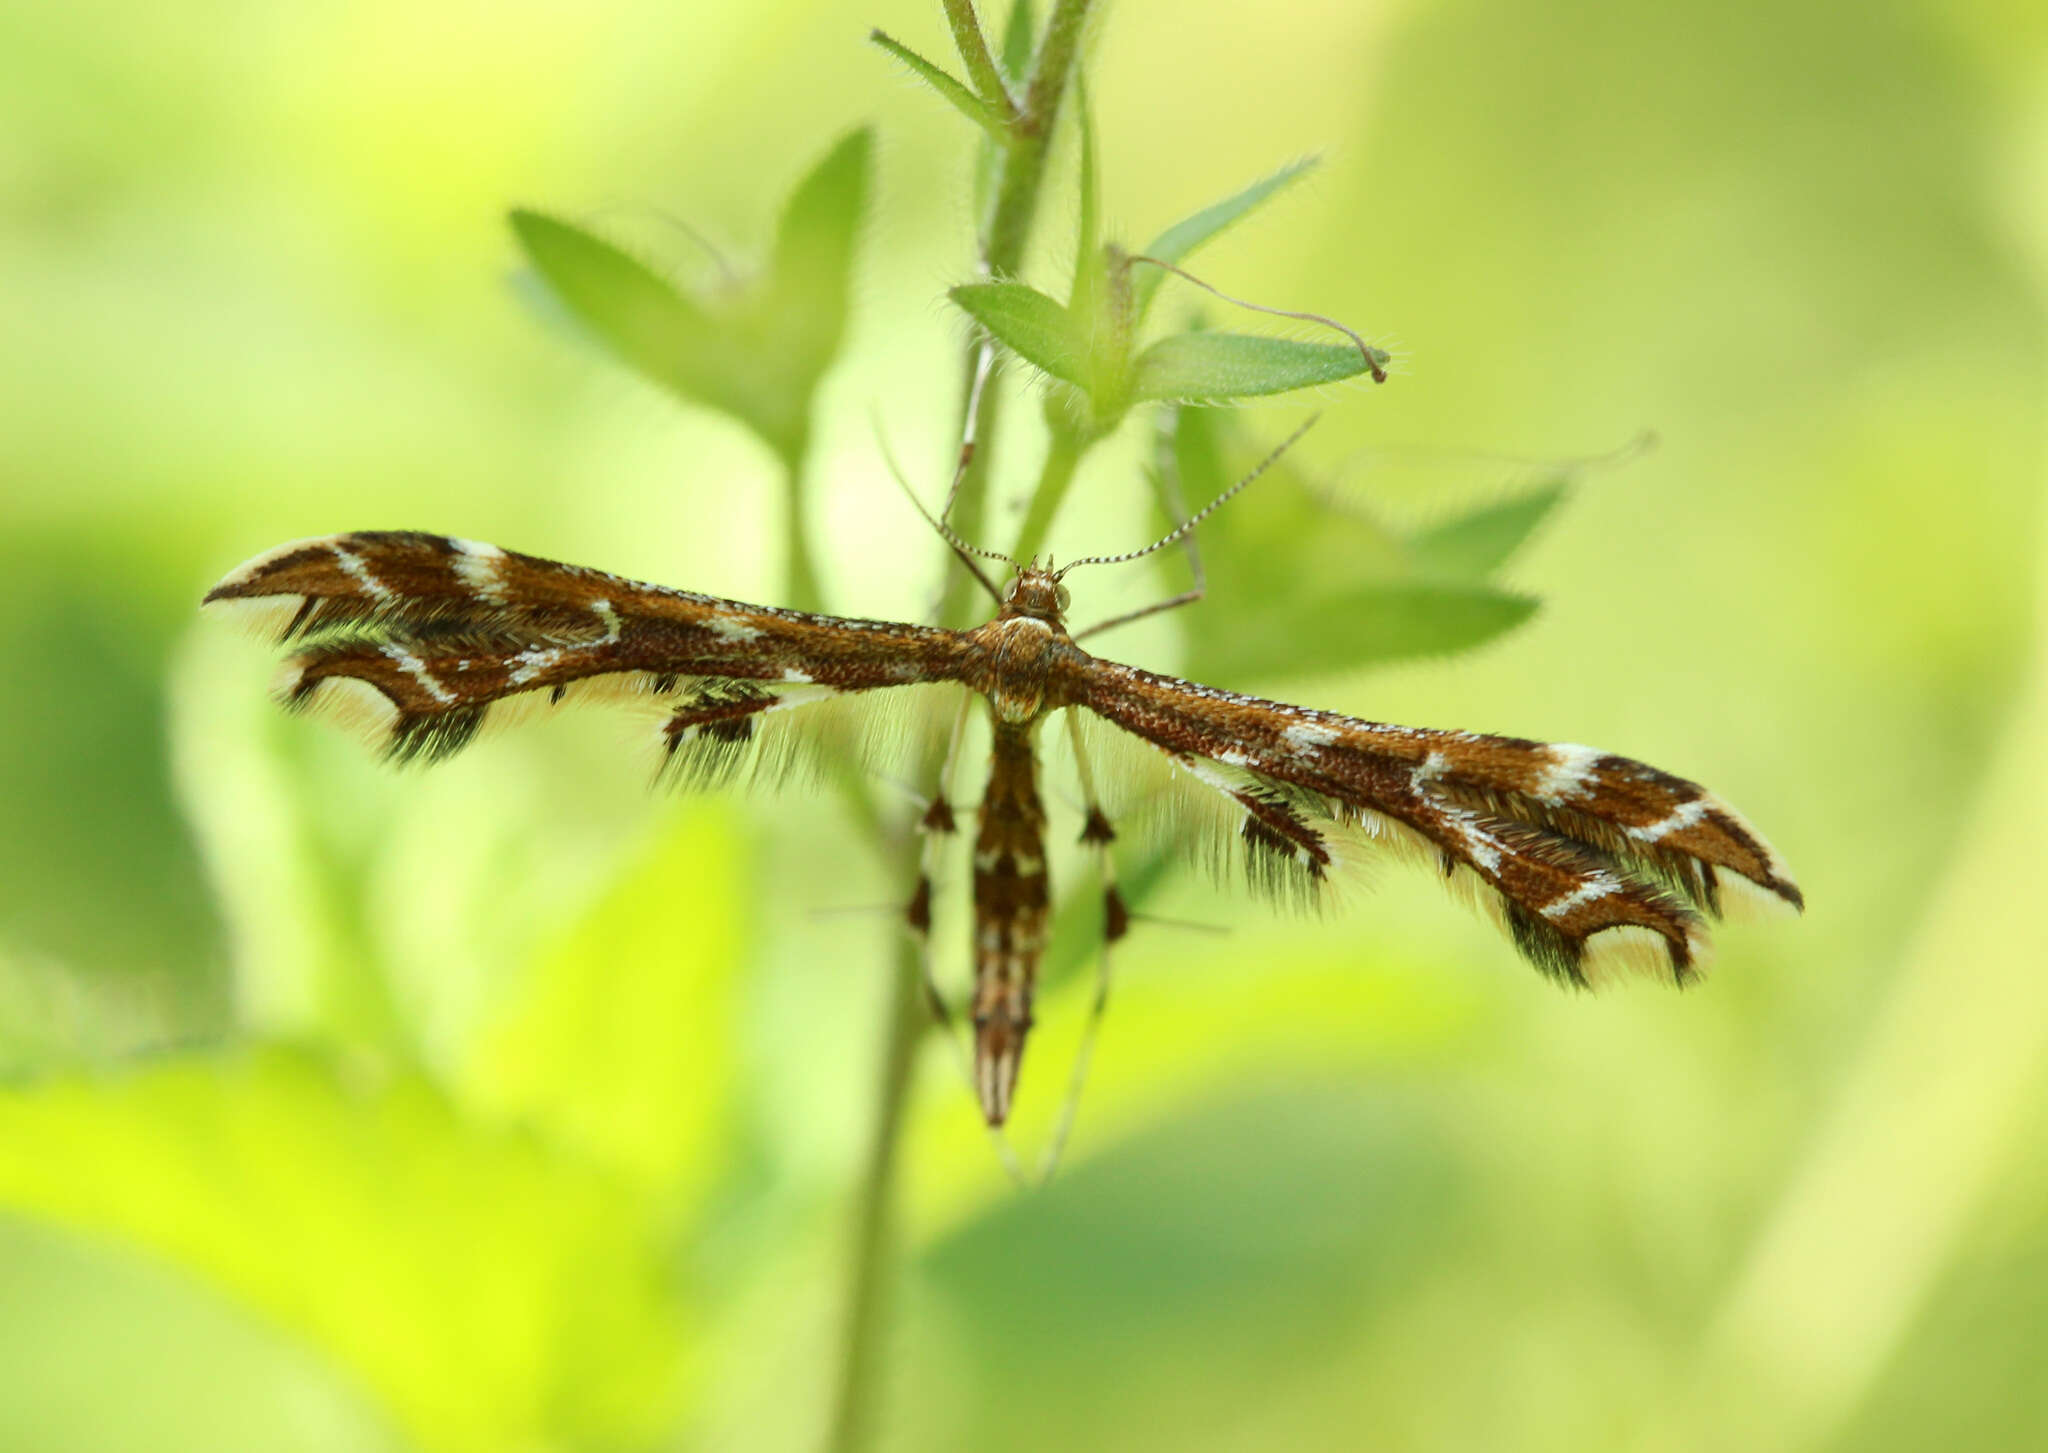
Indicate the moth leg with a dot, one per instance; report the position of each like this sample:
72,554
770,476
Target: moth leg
1096,833
1187,597
936,827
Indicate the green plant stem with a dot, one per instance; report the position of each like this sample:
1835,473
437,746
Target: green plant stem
974,55
1002,251
1011,220
801,587
1016,206
1054,479
870,1254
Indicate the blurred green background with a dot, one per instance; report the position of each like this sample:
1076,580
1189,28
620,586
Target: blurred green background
512,1107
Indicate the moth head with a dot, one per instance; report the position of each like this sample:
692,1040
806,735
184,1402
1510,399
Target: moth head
1036,593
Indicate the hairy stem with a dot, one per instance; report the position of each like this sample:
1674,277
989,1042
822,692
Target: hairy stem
1054,479
974,55
871,1251
1016,207
801,587
1011,221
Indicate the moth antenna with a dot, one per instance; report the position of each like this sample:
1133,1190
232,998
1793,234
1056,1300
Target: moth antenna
1375,360
1205,511
960,547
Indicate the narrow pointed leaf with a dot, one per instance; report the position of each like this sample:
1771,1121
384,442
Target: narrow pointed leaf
1476,544
1184,236
947,85
1033,326
810,277
544,305
630,309
1212,367
984,73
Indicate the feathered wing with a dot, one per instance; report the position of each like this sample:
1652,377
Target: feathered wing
419,639
1589,860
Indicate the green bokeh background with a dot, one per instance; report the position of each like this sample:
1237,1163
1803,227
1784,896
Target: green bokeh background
508,1107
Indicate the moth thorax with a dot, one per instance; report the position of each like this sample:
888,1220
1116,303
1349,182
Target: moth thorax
1021,653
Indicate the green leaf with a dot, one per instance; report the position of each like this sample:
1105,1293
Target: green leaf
195,1371
1184,236
1212,367
1348,629
810,279
488,1292
1200,1232
1033,326
1474,545
951,87
1299,585
758,360
622,1042
633,311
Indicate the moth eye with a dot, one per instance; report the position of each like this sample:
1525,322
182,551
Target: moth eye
1060,597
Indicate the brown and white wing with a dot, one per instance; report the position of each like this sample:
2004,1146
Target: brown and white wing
421,639
1588,860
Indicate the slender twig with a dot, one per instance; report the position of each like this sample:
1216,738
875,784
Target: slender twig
801,587
1062,459
974,54
983,363
869,1249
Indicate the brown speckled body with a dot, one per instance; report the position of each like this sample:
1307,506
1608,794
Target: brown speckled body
1025,665
1011,894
